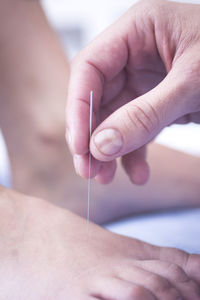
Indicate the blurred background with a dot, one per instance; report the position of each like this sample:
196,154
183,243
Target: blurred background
79,22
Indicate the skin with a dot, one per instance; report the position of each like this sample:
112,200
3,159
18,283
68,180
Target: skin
174,183
32,100
45,255
36,96
144,71
43,250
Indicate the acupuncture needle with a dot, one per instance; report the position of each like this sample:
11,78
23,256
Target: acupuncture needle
90,160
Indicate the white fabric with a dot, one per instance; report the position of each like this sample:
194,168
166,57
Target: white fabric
5,177
185,138
180,229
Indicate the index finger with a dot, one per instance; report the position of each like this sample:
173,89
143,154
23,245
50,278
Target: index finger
96,65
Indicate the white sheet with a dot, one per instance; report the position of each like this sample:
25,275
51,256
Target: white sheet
5,176
180,229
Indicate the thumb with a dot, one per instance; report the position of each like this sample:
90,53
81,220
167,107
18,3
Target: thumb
136,123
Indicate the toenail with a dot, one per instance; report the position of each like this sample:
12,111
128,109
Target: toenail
76,161
68,137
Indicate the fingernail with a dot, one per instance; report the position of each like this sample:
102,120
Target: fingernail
76,163
108,141
68,137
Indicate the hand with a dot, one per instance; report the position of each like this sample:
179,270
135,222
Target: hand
144,71
44,254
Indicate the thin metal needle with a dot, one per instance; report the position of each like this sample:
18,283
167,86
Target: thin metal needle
90,159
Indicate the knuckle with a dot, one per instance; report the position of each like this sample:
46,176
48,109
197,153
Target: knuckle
177,273
179,256
183,257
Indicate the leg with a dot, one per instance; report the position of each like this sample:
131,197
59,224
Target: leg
34,75
33,96
174,180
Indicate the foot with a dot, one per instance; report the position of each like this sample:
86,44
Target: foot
45,254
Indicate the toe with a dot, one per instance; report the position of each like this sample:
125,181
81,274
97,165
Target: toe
118,289
187,287
190,263
159,286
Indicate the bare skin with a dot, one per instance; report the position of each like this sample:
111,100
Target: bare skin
45,255
43,249
174,183
144,71
32,100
